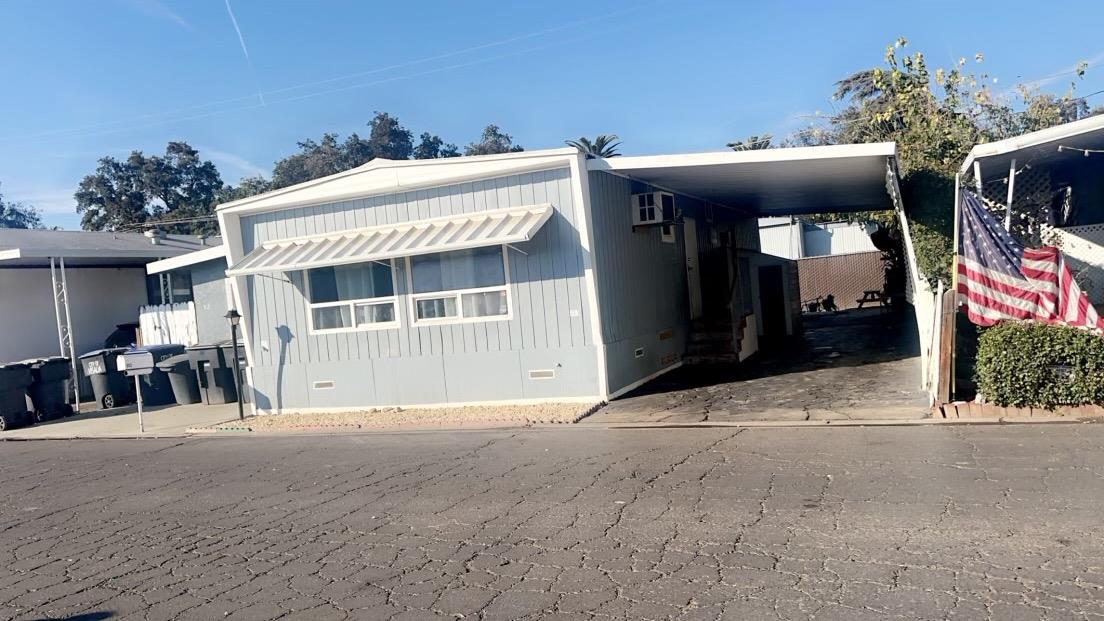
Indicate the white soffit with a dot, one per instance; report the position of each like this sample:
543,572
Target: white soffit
1035,147
383,176
185,260
378,243
766,182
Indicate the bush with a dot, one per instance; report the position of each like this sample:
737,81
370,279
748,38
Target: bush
928,196
1032,364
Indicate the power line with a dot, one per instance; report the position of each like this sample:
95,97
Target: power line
83,130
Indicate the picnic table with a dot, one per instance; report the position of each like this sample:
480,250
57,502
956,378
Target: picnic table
874,295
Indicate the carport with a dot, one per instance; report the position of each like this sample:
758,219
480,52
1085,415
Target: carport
853,363
65,291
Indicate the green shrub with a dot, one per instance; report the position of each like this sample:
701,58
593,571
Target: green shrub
928,196
1039,365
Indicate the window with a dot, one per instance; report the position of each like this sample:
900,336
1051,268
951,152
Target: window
352,297
465,285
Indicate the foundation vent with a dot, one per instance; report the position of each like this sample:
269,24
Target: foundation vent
542,374
324,384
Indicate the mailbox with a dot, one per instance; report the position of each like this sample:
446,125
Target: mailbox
136,362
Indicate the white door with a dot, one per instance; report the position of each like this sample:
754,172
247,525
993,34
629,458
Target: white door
693,273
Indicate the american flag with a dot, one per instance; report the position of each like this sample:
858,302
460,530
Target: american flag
1000,279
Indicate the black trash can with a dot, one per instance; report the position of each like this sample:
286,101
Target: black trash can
156,387
111,387
182,378
48,390
214,367
15,377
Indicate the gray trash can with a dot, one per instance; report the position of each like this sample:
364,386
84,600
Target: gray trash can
214,366
182,378
15,377
48,389
156,388
110,386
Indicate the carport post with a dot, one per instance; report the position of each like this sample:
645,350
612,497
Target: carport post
72,340
1008,202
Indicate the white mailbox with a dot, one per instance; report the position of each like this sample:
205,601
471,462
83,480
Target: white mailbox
136,362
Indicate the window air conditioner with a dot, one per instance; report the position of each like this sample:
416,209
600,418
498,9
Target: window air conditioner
653,208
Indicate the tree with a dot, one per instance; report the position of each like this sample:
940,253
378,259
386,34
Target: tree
603,145
431,147
141,189
248,186
753,143
319,159
935,117
389,139
18,216
493,140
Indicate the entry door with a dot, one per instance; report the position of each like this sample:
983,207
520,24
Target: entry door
693,270
772,300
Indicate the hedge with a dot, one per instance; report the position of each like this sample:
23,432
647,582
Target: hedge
1025,364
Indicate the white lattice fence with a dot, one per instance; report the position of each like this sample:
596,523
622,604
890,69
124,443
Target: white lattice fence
1083,247
164,324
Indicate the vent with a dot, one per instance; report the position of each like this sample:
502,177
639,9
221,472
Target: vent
542,374
639,353
324,385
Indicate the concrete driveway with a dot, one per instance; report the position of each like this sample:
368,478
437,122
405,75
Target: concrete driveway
160,421
861,364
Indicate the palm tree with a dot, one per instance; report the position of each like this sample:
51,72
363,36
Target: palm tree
604,145
753,143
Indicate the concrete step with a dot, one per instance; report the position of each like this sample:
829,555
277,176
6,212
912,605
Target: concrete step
712,358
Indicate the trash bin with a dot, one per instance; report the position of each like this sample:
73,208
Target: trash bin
111,387
156,388
214,367
15,377
48,390
182,378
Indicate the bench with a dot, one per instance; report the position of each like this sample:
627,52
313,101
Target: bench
871,297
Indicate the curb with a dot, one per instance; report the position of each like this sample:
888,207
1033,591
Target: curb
770,424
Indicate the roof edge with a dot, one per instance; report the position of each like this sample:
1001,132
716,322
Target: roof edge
708,158
1031,139
184,260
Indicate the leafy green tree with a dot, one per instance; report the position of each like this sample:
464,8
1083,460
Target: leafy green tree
430,146
18,216
603,145
389,139
753,143
493,141
935,117
248,186
176,186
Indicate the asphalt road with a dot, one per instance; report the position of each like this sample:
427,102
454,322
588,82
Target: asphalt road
880,523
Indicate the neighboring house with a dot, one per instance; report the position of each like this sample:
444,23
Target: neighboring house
530,276
197,293
795,238
101,276
1049,187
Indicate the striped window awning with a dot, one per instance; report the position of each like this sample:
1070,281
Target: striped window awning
378,243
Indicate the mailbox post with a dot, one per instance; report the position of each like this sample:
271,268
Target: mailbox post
136,363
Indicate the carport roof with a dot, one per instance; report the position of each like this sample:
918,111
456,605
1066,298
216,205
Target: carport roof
33,247
1037,147
770,182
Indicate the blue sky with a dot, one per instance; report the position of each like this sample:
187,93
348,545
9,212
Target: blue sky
84,79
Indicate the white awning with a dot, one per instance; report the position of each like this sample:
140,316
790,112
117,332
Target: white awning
378,243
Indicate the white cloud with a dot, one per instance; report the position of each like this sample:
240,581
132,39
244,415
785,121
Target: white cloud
156,8
232,163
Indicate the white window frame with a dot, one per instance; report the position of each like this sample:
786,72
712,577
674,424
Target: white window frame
352,304
458,294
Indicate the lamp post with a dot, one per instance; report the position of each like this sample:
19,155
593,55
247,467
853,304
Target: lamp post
234,317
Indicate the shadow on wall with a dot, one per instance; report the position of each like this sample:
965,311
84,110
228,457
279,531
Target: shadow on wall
264,402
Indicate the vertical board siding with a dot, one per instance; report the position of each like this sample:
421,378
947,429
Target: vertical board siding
641,279
548,294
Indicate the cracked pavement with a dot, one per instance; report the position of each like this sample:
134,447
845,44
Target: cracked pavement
981,522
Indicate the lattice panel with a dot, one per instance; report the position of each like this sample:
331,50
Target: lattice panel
1030,203
1083,247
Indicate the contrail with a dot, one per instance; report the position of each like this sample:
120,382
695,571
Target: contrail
245,50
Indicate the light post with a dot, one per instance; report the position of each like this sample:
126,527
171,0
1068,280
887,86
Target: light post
234,317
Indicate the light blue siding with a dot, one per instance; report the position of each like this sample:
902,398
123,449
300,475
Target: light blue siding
209,294
642,290
483,361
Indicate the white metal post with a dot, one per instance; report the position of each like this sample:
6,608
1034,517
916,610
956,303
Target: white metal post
1008,202
57,307
138,392
72,340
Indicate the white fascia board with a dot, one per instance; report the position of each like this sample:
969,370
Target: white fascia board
11,254
1032,139
714,158
184,260
381,176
